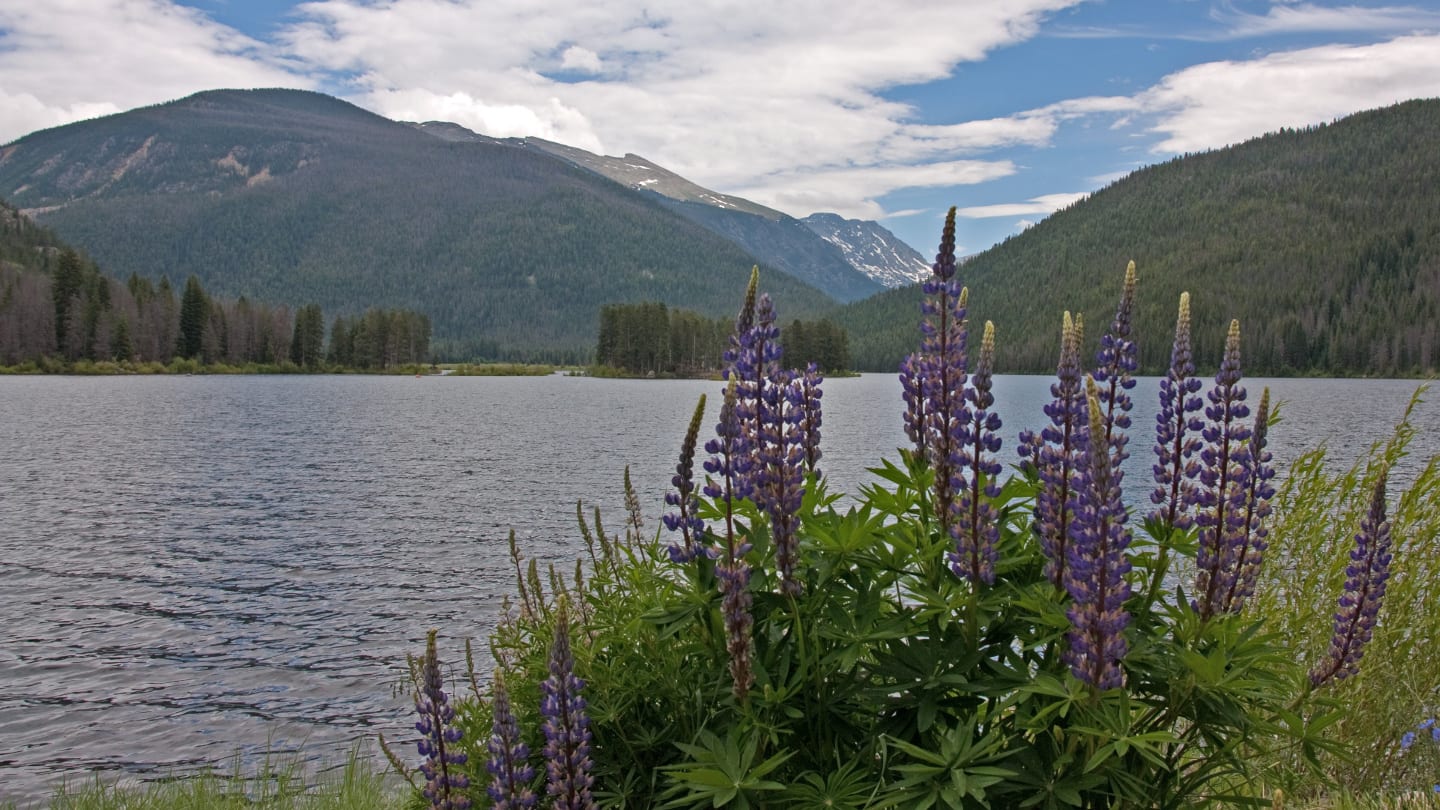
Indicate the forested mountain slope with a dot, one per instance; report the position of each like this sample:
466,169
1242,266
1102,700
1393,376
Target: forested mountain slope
286,195
1324,242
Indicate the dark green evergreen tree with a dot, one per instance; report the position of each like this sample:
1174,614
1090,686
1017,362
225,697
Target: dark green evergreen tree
194,313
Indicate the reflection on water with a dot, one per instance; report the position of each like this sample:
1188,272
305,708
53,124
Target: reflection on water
198,565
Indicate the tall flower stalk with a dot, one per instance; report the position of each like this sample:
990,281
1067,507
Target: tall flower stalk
1116,363
509,766
1221,497
1365,583
684,519
942,374
1056,451
1177,429
439,738
733,571
1252,541
1096,563
566,726
977,530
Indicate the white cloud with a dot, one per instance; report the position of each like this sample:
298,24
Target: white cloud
578,58
1220,103
1289,18
721,91
851,192
64,60
1044,204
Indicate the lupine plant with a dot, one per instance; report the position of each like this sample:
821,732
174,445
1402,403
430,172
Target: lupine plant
953,638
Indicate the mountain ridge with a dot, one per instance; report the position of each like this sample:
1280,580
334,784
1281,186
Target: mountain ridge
295,196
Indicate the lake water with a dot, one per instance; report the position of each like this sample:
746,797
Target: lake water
192,567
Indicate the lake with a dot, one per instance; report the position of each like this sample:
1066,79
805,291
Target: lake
199,566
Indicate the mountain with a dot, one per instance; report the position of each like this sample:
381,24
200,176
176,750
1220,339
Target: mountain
775,238
1324,242
296,197
871,249
851,260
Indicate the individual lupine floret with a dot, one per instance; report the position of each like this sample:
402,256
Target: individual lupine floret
1365,582
1055,453
685,519
1252,542
942,376
444,783
977,529
509,763
1116,363
1096,564
566,726
1220,500
810,416
732,571
1177,429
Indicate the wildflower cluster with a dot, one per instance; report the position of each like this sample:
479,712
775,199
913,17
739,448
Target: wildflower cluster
950,639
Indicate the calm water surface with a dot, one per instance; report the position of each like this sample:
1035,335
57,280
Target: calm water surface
192,567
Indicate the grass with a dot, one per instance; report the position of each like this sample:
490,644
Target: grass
282,785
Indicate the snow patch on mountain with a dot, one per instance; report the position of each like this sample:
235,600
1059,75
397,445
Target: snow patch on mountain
872,249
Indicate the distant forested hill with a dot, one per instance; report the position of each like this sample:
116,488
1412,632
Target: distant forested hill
285,195
1324,242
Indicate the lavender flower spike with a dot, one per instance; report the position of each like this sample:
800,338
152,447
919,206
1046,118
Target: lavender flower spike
1221,497
942,371
1366,577
1116,362
508,765
566,727
1251,542
911,387
683,519
1096,565
977,530
733,572
810,395
1177,429
444,783
1056,453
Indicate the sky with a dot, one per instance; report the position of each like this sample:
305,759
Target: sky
891,110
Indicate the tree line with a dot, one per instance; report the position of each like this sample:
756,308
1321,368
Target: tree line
61,307
651,339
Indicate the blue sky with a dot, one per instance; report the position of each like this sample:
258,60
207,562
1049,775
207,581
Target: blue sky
890,111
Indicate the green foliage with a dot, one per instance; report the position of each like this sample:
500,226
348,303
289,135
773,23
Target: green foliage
890,682
1399,683
1323,241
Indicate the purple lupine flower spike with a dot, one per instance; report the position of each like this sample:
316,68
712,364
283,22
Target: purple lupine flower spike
1177,429
942,372
977,530
810,416
509,765
1055,453
733,572
684,519
911,387
444,783
780,482
566,727
1365,582
1220,499
1116,363
1258,492
1097,565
